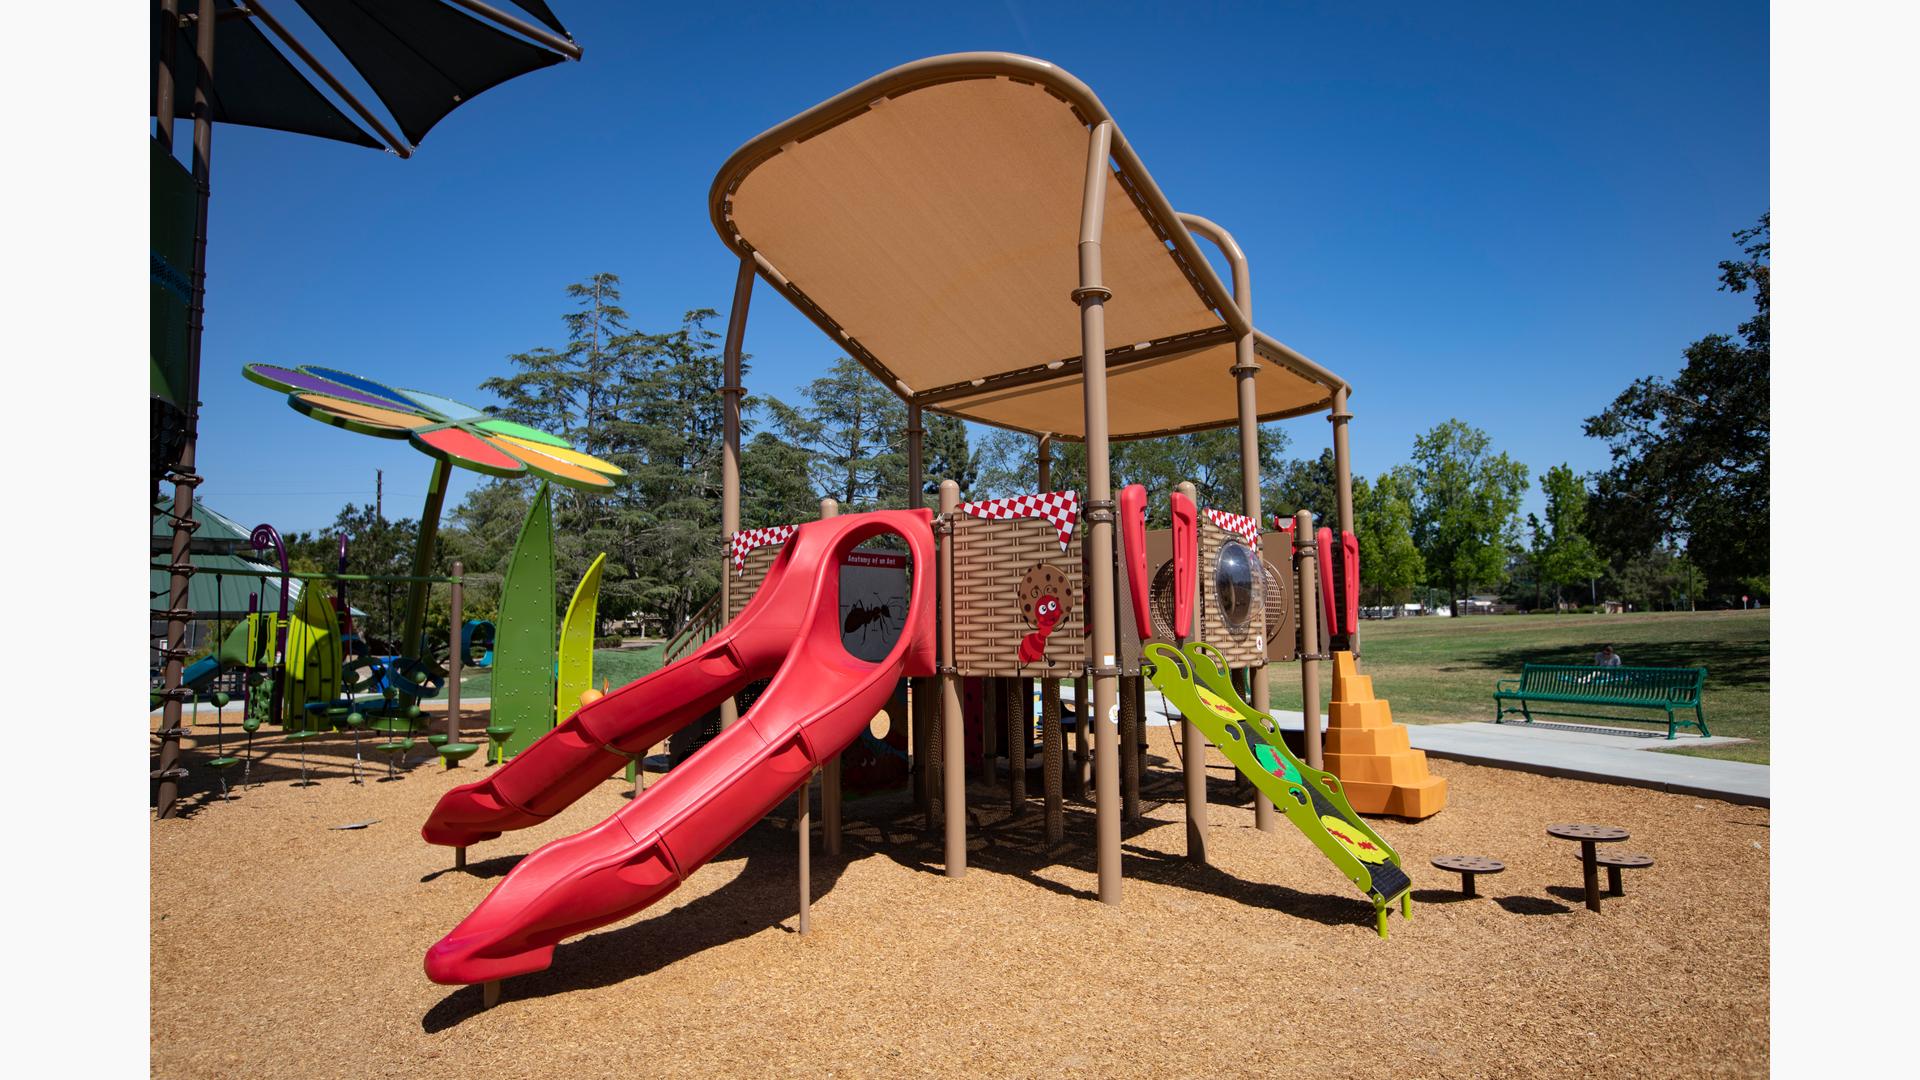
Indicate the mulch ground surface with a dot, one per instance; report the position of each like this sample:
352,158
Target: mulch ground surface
282,946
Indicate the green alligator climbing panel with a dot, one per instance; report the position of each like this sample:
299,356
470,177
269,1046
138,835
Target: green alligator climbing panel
576,642
313,659
1196,683
523,676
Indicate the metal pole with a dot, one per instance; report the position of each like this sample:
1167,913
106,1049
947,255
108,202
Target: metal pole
169,16
455,607
1083,709
1019,709
730,394
1129,747
953,779
830,769
1309,579
921,691
411,639
1338,416
184,478
1245,368
803,826
1092,296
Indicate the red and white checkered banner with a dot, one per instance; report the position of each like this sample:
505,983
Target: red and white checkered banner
1062,508
747,539
1240,525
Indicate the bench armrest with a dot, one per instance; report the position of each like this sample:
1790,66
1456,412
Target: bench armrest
1505,684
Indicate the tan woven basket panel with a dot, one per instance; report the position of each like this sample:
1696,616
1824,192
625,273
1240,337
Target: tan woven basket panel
1240,646
743,583
990,561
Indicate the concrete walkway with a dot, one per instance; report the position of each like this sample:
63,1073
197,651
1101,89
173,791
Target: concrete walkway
1580,752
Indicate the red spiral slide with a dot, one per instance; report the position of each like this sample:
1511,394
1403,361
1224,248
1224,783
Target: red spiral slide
819,701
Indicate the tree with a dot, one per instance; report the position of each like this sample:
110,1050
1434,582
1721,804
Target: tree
1390,564
1690,455
946,456
1465,501
1307,484
374,546
1566,557
853,431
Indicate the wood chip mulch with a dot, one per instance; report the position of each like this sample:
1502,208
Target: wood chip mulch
284,946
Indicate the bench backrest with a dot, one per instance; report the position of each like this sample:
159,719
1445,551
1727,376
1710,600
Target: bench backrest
1660,684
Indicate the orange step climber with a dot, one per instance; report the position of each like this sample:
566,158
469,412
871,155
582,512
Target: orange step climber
1380,770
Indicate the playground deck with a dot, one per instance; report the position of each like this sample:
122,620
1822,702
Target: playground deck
284,947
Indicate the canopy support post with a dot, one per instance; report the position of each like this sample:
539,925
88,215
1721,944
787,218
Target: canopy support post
953,746
1338,416
184,478
830,768
731,392
413,637
1245,368
1309,579
1092,296
919,691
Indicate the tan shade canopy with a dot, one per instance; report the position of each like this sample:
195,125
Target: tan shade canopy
928,220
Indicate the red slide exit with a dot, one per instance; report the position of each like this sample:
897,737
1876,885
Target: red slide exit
820,699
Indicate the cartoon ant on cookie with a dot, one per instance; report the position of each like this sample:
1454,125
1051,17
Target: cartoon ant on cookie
1045,602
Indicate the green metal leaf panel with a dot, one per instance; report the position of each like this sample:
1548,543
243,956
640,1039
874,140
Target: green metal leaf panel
313,659
1233,726
523,676
576,642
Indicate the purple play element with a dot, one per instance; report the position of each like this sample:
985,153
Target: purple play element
300,381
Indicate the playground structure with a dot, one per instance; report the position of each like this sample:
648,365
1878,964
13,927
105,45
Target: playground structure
981,182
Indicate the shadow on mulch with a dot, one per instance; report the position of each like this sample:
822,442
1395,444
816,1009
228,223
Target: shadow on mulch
1534,905
760,896
274,760
485,868
1443,896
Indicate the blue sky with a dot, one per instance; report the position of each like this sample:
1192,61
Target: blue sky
1504,214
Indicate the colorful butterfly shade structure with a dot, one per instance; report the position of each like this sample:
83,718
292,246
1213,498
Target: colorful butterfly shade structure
450,432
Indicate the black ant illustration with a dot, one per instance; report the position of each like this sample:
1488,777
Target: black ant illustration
865,616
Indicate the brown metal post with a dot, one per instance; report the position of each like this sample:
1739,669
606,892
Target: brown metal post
921,691
731,391
830,769
169,16
990,695
1019,708
1343,481
953,778
1309,579
1245,368
1083,708
184,478
803,828
1129,747
1092,296
455,614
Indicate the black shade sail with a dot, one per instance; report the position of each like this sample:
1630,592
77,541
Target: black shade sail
422,58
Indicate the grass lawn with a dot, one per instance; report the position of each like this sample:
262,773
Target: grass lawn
1441,671
617,667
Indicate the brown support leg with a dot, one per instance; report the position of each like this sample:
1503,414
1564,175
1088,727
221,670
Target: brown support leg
1052,750
1614,885
454,618
490,993
1019,710
1083,711
1309,581
460,858
803,827
731,391
953,798
1092,296
1591,869
1265,818
989,730
1130,748
830,769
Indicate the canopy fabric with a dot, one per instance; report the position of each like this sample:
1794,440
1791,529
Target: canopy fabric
254,85
423,58
928,221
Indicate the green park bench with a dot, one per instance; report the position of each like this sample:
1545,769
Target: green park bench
1659,688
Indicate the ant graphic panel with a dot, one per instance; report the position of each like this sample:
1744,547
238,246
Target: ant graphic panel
1018,601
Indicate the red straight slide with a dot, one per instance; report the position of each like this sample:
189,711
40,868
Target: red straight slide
819,701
